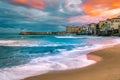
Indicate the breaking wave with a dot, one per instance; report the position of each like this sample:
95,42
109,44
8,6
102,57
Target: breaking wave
65,60
31,43
77,37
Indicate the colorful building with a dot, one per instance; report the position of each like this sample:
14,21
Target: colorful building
93,28
109,26
85,29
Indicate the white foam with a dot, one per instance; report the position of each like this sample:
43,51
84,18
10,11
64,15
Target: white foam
19,43
31,43
117,41
65,60
66,37
77,37
43,65
21,72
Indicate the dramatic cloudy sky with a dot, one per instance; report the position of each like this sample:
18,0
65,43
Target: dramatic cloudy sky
53,15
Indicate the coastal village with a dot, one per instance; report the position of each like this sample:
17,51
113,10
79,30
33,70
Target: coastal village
109,27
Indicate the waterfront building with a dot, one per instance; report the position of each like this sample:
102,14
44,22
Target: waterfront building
73,29
119,30
115,23
93,29
85,29
101,25
110,26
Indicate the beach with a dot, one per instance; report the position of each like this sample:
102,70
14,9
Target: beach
106,68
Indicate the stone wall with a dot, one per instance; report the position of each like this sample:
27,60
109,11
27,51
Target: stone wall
41,33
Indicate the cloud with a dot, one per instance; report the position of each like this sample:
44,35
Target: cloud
34,13
32,16
73,5
19,16
98,7
61,9
83,19
96,11
39,4
90,19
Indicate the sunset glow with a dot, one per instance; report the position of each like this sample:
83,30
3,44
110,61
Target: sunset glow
97,10
98,7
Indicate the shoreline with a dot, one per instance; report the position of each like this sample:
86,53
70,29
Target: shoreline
106,68
93,57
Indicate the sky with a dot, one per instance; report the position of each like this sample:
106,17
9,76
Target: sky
53,15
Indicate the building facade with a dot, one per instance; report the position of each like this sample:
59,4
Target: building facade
73,29
93,28
109,26
85,29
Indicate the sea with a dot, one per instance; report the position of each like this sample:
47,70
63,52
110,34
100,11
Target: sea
22,56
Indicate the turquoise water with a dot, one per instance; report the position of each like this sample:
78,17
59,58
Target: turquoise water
39,54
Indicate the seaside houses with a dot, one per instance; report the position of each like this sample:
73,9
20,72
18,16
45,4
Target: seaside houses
73,29
89,29
115,24
103,26
110,26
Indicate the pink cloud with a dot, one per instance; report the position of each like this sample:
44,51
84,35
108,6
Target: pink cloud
39,4
97,7
84,19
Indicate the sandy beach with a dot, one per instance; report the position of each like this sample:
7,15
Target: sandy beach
106,68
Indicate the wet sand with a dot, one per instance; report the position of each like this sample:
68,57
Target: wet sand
106,68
